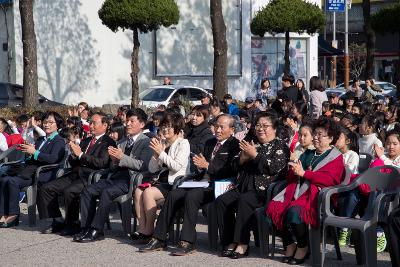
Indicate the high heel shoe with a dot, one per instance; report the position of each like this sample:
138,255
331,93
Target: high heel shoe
237,255
295,261
13,223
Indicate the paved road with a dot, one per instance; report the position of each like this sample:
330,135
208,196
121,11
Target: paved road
25,246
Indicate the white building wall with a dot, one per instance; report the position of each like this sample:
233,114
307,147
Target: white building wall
79,59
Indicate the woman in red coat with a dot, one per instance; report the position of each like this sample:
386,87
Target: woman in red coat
293,209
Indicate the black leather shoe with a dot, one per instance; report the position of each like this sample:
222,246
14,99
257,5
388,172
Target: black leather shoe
287,259
54,228
227,252
153,245
237,255
91,236
81,234
70,230
183,248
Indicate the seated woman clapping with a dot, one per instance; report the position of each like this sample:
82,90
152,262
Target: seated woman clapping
48,149
260,161
293,209
172,153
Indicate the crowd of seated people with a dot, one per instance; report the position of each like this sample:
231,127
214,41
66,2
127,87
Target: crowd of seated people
230,153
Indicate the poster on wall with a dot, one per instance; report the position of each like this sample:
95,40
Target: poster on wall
267,61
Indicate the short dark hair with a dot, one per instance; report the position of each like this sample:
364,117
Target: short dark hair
138,113
216,103
57,117
330,126
288,77
158,115
104,117
175,120
203,110
84,104
352,137
22,118
272,116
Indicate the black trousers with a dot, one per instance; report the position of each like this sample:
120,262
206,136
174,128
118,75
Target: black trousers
244,204
394,237
70,186
106,191
191,200
10,186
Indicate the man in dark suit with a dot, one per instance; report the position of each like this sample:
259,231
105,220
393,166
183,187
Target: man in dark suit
90,155
215,165
128,160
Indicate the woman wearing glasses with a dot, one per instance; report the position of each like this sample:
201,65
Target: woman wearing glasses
173,155
293,209
48,149
259,163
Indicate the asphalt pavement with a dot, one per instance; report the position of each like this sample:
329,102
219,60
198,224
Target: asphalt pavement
26,246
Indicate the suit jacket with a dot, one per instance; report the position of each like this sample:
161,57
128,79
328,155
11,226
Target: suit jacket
220,167
96,158
51,152
138,160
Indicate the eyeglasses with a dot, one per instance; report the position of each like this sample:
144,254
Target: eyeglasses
165,127
48,122
319,135
263,126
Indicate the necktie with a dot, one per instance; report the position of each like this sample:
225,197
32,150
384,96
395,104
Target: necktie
91,144
216,148
130,142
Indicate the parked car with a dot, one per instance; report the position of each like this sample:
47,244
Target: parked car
388,88
11,96
163,94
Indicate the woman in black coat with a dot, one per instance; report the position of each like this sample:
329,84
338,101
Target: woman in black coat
198,131
48,149
259,163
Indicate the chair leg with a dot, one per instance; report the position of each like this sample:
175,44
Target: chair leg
31,197
263,232
358,247
273,234
126,215
336,243
323,250
212,228
370,246
315,245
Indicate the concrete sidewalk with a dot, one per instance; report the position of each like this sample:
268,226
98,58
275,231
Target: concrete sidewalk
25,246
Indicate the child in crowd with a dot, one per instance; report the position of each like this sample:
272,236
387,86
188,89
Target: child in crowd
391,116
305,141
368,129
347,145
117,131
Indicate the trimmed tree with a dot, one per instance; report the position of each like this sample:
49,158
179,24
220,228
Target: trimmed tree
220,69
30,95
138,15
285,16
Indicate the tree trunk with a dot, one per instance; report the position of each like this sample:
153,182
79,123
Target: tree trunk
135,69
220,68
30,98
287,60
370,39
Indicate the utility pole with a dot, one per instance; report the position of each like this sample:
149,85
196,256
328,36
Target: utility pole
346,45
334,60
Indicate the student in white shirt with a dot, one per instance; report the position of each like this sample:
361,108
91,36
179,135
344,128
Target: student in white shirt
368,130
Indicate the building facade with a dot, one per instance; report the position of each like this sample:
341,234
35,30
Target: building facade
80,59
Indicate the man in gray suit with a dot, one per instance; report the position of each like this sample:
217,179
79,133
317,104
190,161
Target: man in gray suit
129,160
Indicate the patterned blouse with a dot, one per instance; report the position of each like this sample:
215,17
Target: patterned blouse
270,164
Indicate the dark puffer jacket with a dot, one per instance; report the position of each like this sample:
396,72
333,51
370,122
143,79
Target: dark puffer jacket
198,136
